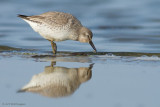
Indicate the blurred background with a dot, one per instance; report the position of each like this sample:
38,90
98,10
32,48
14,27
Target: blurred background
118,25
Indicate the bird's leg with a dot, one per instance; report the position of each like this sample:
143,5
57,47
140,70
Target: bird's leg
54,47
53,63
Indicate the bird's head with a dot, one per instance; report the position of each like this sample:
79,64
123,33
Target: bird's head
85,36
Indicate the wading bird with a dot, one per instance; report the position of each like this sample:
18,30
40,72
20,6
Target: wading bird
59,26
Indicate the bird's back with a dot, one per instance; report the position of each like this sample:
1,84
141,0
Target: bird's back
56,19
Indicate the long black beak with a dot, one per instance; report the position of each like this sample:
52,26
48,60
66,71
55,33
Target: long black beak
91,43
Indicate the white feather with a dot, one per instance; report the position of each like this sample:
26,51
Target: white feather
49,33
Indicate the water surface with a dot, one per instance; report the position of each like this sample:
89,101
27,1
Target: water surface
126,25
110,81
124,72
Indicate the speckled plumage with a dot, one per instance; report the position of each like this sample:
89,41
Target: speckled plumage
59,26
55,26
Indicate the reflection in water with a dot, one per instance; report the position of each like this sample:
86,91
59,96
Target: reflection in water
58,81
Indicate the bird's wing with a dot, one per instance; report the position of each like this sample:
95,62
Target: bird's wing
54,19
36,19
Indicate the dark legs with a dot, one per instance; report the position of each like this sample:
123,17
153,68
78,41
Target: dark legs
53,63
54,47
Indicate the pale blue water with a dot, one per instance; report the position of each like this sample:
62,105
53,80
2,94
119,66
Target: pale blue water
124,25
116,81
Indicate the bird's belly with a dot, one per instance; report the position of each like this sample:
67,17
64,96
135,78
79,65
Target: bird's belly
49,33
55,35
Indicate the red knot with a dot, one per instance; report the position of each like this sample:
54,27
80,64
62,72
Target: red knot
59,26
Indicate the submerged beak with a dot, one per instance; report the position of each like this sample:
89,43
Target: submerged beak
91,43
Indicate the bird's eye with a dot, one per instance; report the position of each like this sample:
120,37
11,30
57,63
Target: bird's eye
89,37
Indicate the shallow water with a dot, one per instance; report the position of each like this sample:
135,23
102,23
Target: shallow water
124,72
111,81
126,25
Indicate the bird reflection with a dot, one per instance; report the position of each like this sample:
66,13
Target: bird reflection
58,81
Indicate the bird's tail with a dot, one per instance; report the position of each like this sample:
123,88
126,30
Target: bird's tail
23,16
21,90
